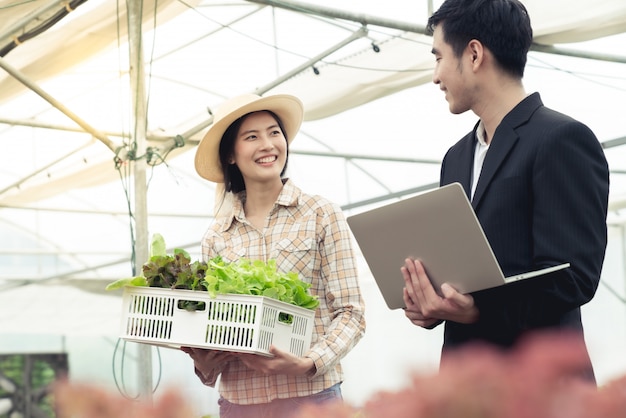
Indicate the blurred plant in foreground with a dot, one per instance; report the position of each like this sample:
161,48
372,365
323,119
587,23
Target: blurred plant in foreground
78,400
538,379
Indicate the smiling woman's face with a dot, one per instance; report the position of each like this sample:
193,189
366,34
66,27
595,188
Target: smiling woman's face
260,148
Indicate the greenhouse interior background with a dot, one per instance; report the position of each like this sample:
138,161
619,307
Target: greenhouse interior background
102,104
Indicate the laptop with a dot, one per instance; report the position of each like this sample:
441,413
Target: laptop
440,228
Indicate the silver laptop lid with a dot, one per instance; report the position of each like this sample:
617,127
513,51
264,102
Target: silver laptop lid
438,227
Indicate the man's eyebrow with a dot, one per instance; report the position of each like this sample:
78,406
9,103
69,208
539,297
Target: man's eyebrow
434,51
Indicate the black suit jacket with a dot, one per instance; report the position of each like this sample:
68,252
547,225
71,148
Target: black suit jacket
541,199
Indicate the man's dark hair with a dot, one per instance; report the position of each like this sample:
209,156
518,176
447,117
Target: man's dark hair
502,26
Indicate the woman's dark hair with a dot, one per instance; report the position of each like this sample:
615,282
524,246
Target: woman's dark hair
233,179
503,26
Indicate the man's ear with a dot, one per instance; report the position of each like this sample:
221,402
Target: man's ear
476,51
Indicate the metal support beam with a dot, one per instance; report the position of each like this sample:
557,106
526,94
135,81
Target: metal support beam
23,180
550,49
57,104
35,16
329,12
365,157
207,122
140,215
356,35
614,142
389,196
30,123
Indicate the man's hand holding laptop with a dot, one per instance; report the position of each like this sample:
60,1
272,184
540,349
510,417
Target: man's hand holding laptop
425,307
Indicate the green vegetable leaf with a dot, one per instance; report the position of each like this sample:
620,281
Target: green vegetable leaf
157,247
132,281
244,276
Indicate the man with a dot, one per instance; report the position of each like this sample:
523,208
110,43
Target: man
538,181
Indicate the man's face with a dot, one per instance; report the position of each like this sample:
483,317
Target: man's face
449,74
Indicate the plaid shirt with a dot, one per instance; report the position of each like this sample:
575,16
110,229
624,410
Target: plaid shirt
309,235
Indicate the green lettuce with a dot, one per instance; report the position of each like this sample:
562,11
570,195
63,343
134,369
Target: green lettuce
218,277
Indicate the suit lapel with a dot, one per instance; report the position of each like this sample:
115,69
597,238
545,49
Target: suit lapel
500,147
503,142
458,162
466,165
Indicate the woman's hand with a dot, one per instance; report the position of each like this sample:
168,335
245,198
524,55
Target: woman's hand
205,360
281,362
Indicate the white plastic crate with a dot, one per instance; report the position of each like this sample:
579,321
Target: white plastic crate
241,323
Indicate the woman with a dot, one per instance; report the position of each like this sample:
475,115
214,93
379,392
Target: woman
247,149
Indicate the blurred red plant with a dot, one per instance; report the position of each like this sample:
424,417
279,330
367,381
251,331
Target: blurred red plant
80,400
539,378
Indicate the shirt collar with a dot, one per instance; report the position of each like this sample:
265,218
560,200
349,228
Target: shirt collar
480,133
289,196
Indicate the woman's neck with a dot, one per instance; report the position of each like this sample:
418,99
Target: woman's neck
260,199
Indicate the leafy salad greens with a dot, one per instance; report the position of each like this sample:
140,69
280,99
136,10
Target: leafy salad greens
244,276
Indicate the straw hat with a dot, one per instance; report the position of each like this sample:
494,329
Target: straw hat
288,108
